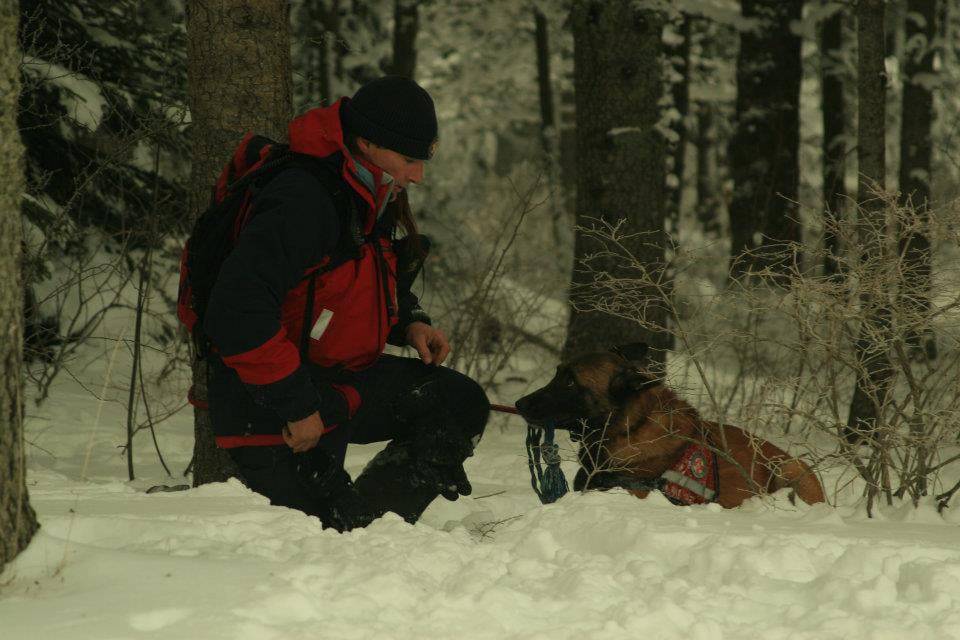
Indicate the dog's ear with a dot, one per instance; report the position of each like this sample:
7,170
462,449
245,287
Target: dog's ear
635,352
627,382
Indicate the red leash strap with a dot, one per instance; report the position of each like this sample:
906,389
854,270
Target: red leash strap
505,409
199,404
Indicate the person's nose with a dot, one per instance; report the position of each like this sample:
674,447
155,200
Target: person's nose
416,173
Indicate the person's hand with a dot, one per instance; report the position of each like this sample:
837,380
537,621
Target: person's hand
303,435
430,343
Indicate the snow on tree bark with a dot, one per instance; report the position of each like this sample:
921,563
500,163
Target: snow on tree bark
239,80
680,90
620,158
18,522
406,24
873,380
764,151
915,164
834,145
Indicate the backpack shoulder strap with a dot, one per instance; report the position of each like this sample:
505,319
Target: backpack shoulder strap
351,234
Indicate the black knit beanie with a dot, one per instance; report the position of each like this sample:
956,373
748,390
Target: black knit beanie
393,112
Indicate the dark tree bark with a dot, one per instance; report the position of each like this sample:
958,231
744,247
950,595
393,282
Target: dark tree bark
915,171
357,23
708,189
18,522
549,138
547,119
680,57
238,57
317,33
620,157
834,148
873,379
406,23
764,151
705,43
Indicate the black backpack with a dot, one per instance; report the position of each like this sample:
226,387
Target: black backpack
255,161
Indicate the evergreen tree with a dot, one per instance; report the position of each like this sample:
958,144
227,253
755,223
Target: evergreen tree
337,45
103,83
17,520
103,92
620,168
406,24
915,166
679,53
833,107
238,56
764,152
872,344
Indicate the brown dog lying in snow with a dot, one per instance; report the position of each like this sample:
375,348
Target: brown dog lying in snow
635,433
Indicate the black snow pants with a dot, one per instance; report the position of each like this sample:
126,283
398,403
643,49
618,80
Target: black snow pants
432,417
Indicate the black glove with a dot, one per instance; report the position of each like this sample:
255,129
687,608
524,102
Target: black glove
452,482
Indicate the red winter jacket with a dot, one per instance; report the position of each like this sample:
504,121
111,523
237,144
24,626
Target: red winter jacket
255,316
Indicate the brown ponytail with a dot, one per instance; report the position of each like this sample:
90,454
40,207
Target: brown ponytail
399,210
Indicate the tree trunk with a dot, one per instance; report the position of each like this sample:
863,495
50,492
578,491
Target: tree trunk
549,138
873,377
406,23
356,32
18,522
312,59
680,90
238,62
705,43
620,160
764,151
547,120
709,203
834,146
915,174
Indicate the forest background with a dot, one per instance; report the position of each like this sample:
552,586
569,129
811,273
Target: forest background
765,191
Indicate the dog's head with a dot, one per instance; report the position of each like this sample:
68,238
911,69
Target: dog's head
589,386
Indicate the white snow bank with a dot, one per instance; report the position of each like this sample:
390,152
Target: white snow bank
219,562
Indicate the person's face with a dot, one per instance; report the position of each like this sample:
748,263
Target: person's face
403,169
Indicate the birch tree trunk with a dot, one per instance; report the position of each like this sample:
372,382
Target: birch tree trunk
238,67
18,522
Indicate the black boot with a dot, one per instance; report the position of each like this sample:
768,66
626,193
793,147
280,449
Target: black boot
405,480
388,482
336,500
446,414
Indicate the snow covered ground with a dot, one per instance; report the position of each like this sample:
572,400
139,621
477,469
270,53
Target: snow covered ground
111,561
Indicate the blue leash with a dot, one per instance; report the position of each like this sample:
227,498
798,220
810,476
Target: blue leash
549,484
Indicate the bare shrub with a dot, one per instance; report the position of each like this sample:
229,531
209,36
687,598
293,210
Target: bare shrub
775,352
490,283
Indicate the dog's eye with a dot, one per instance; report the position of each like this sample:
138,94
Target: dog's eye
570,383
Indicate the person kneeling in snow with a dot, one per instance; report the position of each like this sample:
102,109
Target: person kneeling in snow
303,305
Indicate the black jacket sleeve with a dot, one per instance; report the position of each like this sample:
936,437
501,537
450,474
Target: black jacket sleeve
295,225
409,310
